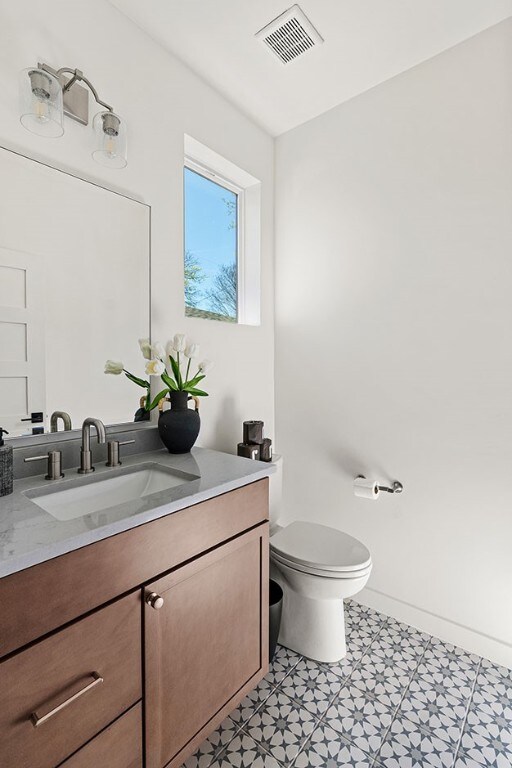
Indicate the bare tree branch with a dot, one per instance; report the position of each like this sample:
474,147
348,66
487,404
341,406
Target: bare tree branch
222,297
193,278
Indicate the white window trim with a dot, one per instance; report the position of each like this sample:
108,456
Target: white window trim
205,161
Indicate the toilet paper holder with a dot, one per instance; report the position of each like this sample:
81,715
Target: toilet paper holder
396,487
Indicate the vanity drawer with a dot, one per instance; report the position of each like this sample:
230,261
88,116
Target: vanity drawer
62,691
118,746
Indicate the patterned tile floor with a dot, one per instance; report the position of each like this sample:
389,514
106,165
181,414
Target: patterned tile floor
400,699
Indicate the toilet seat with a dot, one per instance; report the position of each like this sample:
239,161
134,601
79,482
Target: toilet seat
322,572
320,550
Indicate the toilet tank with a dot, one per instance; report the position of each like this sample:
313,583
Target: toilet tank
276,493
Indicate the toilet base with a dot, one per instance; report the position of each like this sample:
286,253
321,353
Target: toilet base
313,628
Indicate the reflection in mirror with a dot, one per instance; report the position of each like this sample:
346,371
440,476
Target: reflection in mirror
74,291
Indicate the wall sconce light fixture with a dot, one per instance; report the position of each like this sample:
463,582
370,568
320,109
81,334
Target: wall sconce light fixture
48,94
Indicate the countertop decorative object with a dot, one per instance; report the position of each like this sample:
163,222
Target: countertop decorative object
6,465
178,426
254,445
30,535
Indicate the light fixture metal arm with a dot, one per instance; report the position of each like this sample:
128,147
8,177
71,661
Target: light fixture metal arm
78,75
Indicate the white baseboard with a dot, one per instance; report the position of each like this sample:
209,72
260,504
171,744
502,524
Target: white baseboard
464,637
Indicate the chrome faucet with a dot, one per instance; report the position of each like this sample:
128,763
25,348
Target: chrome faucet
66,420
85,451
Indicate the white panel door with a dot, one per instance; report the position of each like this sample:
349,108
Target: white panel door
22,340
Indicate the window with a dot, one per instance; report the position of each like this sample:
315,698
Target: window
212,244
222,212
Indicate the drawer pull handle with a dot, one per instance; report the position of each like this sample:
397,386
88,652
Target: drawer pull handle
37,721
155,601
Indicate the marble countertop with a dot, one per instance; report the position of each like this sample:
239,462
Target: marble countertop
29,535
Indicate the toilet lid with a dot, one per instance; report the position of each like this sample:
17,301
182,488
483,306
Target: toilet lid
321,547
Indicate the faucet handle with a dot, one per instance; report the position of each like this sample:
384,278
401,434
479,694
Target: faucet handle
54,459
113,452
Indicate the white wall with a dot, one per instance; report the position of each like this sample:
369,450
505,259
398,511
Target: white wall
393,334
161,100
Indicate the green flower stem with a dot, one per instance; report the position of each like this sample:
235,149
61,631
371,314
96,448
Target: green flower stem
169,381
180,381
188,369
197,374
136,380
150,405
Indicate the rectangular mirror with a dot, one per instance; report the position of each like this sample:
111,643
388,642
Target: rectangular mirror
74,292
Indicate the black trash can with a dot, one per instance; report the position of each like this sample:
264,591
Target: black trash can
276,607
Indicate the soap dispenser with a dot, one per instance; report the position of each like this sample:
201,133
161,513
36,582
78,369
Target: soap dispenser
6,465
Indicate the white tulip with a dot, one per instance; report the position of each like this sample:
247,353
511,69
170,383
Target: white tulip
192,351
145,348
179,342
155,367
157,350
114,367
205,366
169,349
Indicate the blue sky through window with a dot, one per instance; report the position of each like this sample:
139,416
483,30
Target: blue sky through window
210,245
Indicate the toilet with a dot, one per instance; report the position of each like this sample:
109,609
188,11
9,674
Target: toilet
317,567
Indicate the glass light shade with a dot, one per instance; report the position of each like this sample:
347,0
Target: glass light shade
110,140
41,103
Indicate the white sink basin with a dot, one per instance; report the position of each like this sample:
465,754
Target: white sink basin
99,493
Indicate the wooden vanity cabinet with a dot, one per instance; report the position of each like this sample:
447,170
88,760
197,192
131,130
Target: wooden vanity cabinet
149,638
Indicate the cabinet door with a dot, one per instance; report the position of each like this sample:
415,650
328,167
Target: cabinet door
205,646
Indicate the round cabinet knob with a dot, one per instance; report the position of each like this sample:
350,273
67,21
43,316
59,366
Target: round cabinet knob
155,601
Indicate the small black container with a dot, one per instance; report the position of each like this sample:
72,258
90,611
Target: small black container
248,451
266,449
274,624
253,432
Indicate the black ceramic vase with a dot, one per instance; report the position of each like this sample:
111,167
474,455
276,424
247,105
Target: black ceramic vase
141,414
179,426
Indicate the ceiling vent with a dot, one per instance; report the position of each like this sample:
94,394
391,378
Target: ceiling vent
290,35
